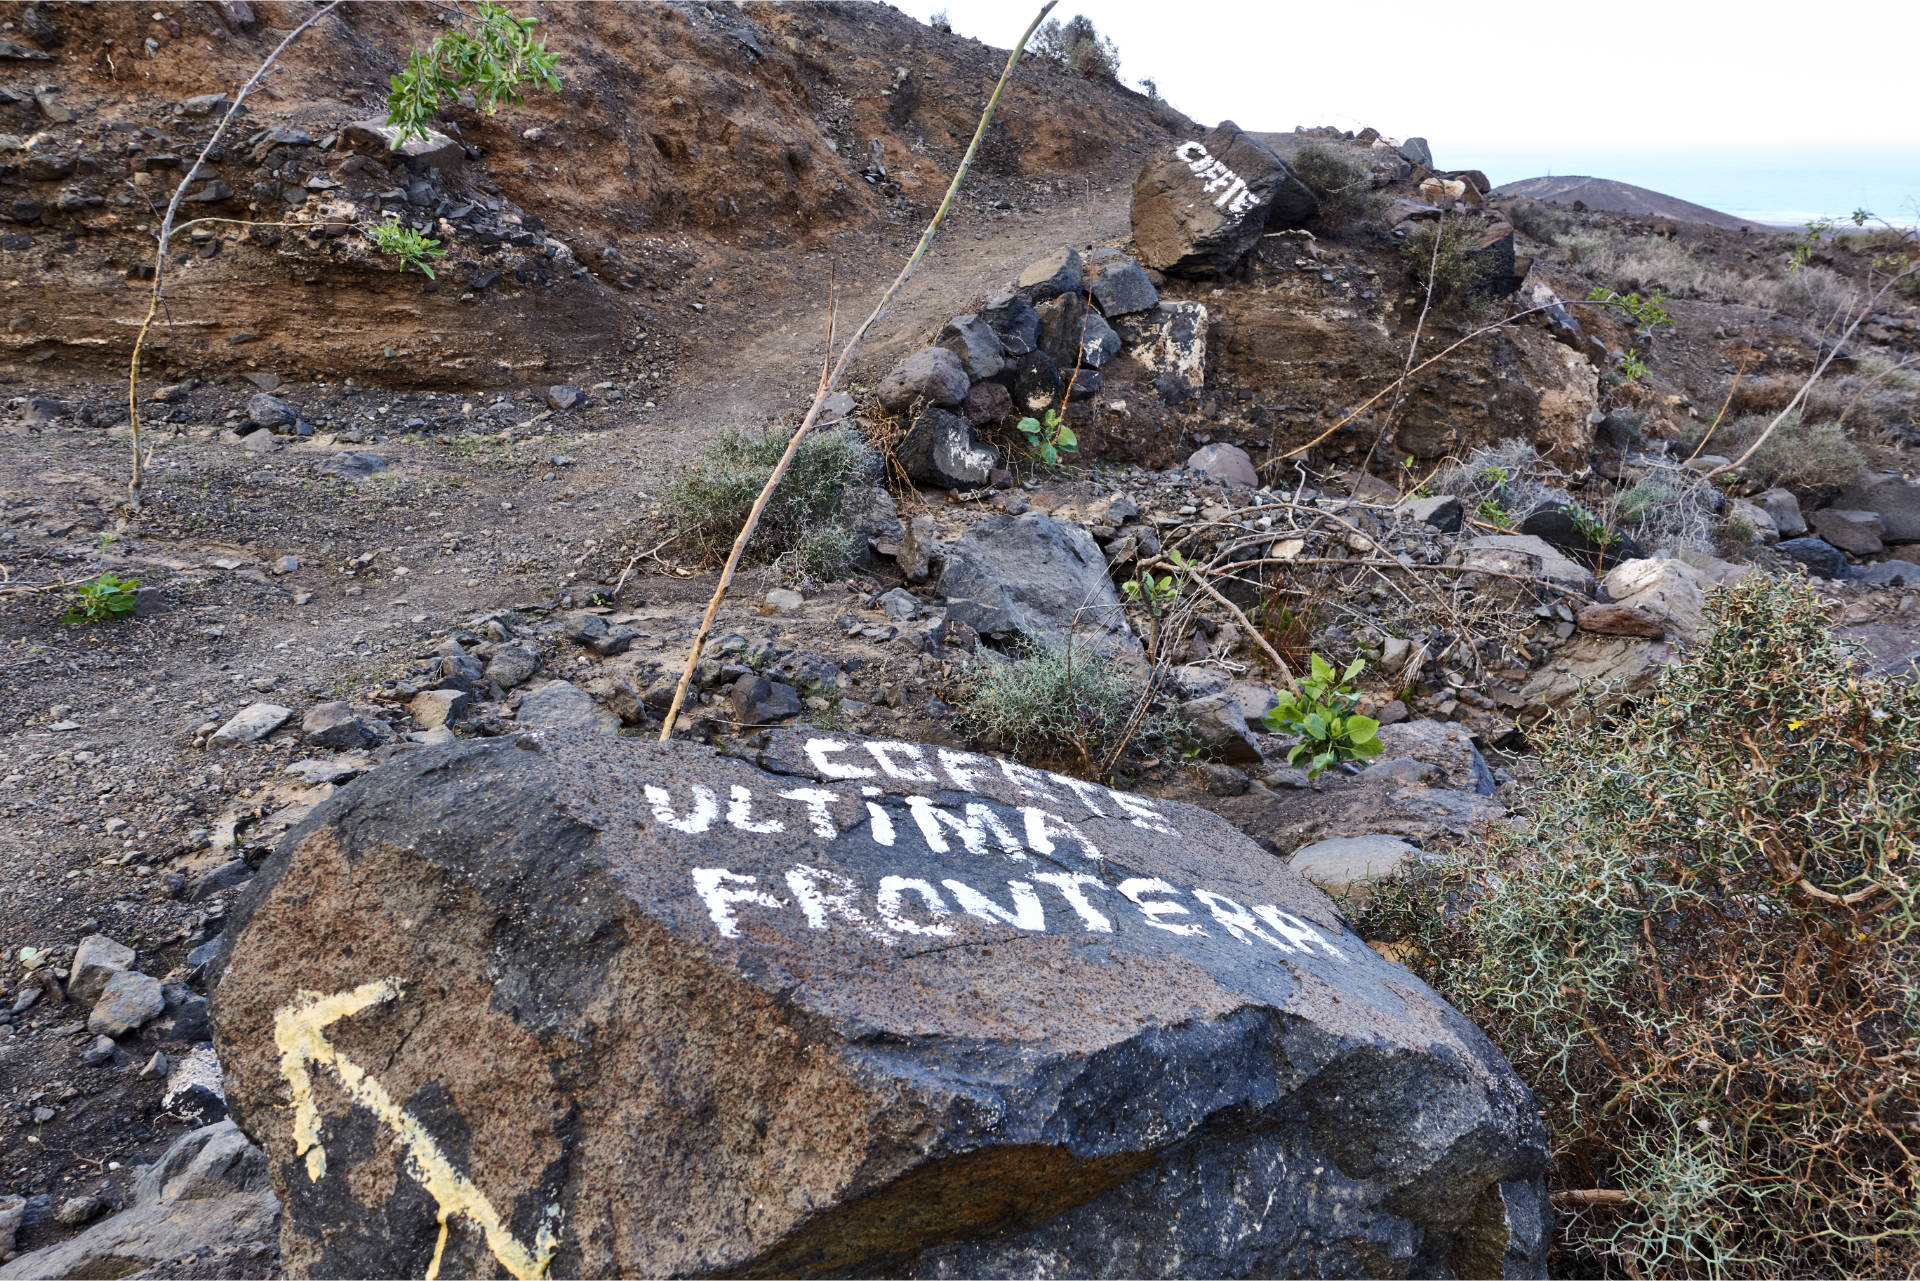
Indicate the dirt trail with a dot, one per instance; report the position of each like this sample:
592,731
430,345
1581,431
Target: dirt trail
766,358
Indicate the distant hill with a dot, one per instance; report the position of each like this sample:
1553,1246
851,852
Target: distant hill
1622,197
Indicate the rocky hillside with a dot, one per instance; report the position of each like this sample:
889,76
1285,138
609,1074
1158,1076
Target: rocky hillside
988,912
580,224
1606,195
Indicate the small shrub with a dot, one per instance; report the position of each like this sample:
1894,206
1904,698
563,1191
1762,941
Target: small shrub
1872,403
1077,45
103,599
1063,705
1670,508
809,517
493,59
1343,189
1322,715
1458,275
1700,949
1800,455
406,244
940,21
1495,480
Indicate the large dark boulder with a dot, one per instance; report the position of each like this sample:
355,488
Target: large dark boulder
1035,577
581,1006
1201,203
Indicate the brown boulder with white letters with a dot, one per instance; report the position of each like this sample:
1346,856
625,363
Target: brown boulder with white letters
1201,203
850,1007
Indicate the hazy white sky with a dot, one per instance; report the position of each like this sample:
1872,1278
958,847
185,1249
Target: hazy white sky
1761,110
1514,72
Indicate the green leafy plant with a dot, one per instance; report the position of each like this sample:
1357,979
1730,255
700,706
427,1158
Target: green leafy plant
403,242
1493,514
1645,312
1700,949
1632,368
1816,234
494,58
102,600
1156,594
1322,714
1590,526
1077,45
1049,437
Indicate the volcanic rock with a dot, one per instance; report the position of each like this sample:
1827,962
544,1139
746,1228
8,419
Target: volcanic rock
932,375
1034,576
939,449
589,1007
1200,204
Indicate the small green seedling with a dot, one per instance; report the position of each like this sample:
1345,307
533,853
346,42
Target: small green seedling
1632,368
1156,594
1590,526
102,600
403,242
1322,714
1049,437
1493,514
1646,312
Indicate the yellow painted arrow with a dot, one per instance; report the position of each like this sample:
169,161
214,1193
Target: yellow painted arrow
299,1031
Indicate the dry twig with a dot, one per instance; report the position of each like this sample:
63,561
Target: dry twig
166,234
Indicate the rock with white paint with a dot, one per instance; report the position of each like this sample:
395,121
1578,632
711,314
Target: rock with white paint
1169,342
575,1006
940,449
1201,203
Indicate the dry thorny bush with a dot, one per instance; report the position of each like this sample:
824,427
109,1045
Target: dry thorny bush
1699,947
